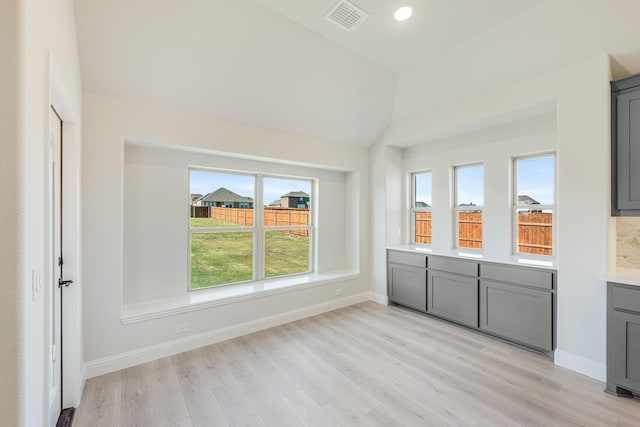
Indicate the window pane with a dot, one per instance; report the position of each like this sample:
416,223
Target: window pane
221,199
422,185
286,252
423,228
470,229
469,185
287,202
535,180
221,258
535,232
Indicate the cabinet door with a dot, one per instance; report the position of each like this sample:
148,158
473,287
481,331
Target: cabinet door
453,297
516,313
628,150
626,350
408,286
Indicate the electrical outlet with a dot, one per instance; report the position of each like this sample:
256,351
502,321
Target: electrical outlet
338,292
181,328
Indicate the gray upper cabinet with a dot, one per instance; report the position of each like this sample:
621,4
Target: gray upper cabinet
625,146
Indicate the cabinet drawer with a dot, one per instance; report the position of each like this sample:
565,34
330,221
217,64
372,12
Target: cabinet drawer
626,298
519,314
453,265
518,275
408,258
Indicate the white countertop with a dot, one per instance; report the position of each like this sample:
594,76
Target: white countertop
625,276
477,256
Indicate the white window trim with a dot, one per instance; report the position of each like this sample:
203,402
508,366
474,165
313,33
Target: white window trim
229,294
258,229
515,207
413,209
457,209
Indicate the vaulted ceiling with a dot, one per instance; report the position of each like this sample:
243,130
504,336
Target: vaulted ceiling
279,64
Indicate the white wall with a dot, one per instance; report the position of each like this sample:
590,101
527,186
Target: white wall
11,222
494,148
581,95
37,41
108,122
155,217
547,36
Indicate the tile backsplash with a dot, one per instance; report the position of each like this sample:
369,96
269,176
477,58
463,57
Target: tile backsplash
628,242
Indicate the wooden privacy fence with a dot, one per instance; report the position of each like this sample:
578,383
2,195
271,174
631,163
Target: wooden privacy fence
200,212
535,231
273,217
470,229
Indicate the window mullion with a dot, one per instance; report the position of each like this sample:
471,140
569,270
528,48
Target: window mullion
258,230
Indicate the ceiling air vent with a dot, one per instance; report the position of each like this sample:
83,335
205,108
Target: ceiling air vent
346,15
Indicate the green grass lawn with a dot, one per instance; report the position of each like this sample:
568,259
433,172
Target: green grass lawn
285,254
223,258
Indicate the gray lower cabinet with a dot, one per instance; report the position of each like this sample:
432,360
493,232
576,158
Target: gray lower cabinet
623,339
408,285
513,302
453,297
517,313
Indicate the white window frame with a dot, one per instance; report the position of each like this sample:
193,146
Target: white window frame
258,229
515,207
457,209
413,209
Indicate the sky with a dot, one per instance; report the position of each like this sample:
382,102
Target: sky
535,178
203,182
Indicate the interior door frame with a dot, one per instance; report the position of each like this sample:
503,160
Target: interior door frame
72,356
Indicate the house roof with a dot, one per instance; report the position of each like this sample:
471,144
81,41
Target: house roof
296,194
224,195
526,200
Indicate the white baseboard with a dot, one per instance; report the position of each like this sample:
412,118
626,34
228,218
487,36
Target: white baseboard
116,362
379,298
581,365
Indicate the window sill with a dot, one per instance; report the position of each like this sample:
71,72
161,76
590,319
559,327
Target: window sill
212,297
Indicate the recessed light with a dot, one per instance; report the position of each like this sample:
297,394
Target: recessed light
403,13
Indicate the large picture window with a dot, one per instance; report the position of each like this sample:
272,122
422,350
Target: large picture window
468,203
245,227
421,231
534,204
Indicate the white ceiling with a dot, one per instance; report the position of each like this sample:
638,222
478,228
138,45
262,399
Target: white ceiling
279,64
400,46
234,60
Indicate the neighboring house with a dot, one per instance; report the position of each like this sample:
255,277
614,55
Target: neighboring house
194,197
526,200
224,198
295,199
420,204
275,204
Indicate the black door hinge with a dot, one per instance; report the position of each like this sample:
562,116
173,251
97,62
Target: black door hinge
64,283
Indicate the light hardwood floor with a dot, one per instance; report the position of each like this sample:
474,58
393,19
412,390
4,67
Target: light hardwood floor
362,365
